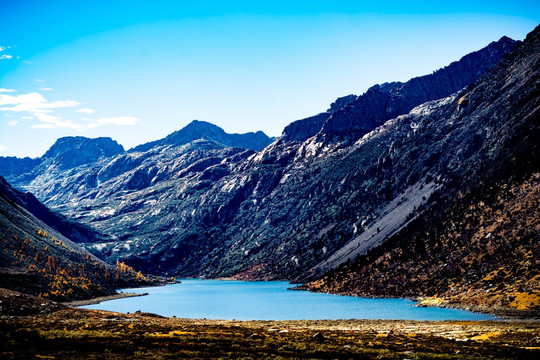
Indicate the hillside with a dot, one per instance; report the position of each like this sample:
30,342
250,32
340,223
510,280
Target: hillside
38,259
480,251
478,241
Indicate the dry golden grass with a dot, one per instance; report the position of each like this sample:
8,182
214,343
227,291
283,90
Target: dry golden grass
90,334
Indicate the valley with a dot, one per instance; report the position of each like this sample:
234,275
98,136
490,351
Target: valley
270,180
425,188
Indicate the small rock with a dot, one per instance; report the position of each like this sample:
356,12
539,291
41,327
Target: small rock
319,337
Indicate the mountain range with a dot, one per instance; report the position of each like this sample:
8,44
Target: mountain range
371,197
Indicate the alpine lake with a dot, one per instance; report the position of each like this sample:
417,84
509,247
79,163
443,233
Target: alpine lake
269,300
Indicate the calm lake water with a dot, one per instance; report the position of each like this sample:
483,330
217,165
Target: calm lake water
216,299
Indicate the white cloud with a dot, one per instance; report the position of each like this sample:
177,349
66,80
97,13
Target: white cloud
44,115
50,121
32,102
21,99
7,90
5,56
86,111
48,105
2,148
39,80
38,107
46,89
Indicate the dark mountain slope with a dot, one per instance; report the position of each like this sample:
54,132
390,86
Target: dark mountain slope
68,228
303,129
386,101
481,250
479,239
350,117
202,130
38,260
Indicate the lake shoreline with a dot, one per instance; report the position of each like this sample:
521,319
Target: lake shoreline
101,299
283,306
501,313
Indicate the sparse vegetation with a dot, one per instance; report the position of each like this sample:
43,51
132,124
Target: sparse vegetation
40,261
478,252
73,333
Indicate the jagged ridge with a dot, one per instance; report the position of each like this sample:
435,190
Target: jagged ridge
203,130
386,101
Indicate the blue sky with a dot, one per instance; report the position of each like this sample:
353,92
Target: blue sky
139,70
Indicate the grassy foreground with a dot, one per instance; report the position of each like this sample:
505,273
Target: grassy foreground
69,333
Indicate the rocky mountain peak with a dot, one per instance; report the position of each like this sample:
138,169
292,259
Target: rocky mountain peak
386,101
69,152
201,128
197,129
